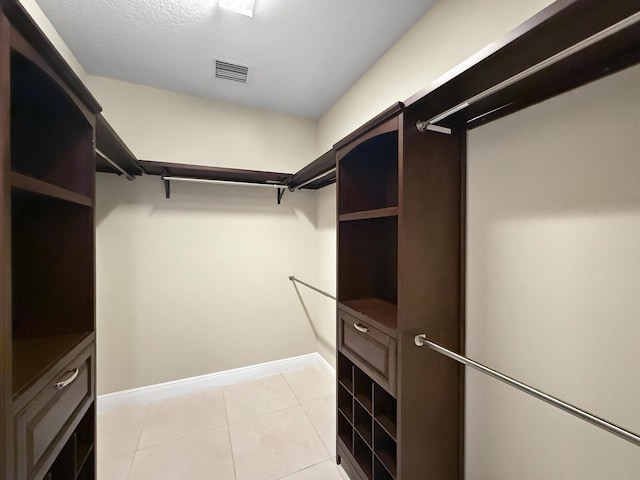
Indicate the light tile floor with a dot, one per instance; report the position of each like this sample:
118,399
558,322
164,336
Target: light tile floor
276,427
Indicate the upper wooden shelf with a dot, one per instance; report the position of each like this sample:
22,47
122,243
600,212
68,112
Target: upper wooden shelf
214,173
549,48
27,27
120,160
304,178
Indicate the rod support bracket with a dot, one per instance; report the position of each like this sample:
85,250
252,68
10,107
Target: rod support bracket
280,193
421,340
167,184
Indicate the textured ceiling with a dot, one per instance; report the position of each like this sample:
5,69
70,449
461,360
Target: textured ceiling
302,54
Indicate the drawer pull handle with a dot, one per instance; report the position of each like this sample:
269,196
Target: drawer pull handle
360,328
69,380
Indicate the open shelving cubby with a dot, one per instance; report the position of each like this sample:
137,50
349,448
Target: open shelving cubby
362,431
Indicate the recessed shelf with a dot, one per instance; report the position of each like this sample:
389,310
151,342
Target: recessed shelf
369,214
51,139
34,356
368,175
374,309
39,187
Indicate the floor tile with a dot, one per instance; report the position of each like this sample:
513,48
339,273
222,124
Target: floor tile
274,445
203,456
311,383
322,414
115,468
177,417
119,430
258,397
322,471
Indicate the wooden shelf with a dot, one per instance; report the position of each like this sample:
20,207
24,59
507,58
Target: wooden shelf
388,425
29,184
554,29
387,461
109,143
374,309
369,214
33,357
213,173
83,451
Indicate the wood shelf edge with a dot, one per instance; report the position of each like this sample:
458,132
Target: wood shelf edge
40,187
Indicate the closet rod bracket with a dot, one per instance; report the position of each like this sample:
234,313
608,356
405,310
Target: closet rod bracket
167,183
280,193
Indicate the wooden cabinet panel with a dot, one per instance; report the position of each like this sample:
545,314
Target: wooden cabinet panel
46,421
373,351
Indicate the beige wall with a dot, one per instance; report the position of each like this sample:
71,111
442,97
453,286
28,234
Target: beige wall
450,32
52,34
199,283
553,284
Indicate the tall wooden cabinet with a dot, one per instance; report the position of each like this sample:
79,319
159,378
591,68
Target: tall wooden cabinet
47,296
399,274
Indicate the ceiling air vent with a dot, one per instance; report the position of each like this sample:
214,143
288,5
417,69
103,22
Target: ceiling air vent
231,71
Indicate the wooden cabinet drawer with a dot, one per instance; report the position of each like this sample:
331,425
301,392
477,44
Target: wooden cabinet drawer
373,351
44,424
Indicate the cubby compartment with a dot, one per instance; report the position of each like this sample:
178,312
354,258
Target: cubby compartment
51,139
363,390
380,472
345,431
363,455
368,175
368,268
345,373
385,449
345,403
52,281
85,443
76,461
385,410
363,423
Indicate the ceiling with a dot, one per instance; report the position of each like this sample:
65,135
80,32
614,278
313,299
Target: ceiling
302,54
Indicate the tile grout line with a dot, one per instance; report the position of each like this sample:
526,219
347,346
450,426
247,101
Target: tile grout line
135,452
302,470
226,411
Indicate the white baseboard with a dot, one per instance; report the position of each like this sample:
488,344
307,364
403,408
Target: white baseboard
150,393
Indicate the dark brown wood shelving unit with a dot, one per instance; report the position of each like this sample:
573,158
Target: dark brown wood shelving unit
399,270
47,253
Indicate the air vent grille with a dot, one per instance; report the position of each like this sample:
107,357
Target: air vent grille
231,71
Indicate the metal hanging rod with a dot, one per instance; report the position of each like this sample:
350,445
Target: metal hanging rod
424,125
317,177
167,179
129,177
627,435
222,182
294,279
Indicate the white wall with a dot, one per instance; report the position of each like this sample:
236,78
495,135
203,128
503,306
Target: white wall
199,283
553,284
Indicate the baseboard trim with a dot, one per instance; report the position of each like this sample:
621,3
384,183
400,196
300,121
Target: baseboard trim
150,393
